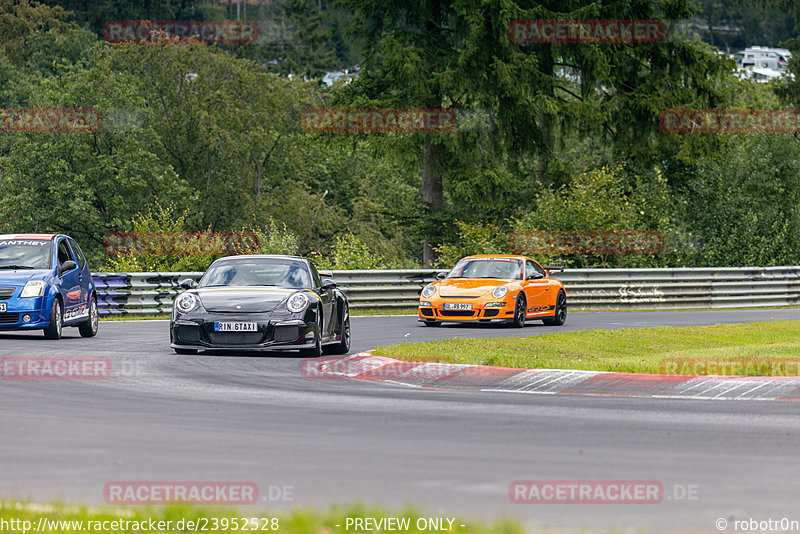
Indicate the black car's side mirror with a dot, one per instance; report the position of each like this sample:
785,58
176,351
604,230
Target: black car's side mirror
67,266
328,284
187,283
535,275
441,276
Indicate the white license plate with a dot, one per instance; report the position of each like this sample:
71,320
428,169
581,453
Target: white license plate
458,306
3,307
235,327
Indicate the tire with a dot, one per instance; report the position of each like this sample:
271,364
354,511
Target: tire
90,326
343,347
519,311
561,311
316,350
185,351
56,321
432,323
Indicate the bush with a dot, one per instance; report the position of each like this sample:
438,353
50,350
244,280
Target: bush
348,252
472,239
746,203
162,220
276,239
609,199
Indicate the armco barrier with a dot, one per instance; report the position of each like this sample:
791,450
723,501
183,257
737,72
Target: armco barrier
587,289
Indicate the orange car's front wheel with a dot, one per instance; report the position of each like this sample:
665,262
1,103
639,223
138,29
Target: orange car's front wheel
519,311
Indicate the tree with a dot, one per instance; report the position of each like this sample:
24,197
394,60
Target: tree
95,13
459,54
296,39
19,19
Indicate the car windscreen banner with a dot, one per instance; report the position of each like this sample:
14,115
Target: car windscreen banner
23,243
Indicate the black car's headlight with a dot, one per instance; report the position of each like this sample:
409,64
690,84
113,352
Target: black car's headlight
186,302
297,303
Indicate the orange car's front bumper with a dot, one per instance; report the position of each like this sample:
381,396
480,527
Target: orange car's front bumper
436,312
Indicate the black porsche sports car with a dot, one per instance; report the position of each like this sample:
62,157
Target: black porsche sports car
261,302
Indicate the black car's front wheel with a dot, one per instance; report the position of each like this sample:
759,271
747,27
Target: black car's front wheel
343,347
316,350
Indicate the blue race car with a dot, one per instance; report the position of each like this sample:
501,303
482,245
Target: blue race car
45,284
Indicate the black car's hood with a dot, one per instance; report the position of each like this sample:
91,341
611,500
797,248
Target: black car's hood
242,299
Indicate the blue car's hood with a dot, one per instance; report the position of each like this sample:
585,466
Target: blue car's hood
9,277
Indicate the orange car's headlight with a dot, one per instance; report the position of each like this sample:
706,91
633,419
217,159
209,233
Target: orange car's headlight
428,291
499,292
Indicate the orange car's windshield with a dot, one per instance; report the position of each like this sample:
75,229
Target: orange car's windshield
507,269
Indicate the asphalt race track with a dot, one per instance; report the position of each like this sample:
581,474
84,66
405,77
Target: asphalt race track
164,417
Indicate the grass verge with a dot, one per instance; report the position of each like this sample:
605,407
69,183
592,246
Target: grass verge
63,519
142,317
355,312
383,311
749,349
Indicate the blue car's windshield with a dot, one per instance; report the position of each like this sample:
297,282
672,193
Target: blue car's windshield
505,268
25,254
279,273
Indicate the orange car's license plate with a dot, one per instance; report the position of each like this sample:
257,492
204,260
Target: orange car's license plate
458,306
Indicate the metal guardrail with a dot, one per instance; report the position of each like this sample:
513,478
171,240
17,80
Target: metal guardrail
587,289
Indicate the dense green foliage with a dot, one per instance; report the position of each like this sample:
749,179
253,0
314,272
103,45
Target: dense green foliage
572,140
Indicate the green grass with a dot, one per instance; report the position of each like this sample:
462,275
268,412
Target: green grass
355,312
362,312
383,311
750,349
142,317
298,521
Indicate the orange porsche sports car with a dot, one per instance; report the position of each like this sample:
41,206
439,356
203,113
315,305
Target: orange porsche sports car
495,288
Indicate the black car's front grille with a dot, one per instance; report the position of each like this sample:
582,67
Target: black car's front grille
286,333
236,338
457,313
6,293
189,334
9,318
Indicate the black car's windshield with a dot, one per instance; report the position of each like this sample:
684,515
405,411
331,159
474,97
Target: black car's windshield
25,254
505,268
278,273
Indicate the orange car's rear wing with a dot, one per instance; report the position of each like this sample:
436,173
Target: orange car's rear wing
552,268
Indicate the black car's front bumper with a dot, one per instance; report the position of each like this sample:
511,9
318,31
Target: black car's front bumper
271,334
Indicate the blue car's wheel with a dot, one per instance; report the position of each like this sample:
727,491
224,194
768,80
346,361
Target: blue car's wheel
89,327
56,321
